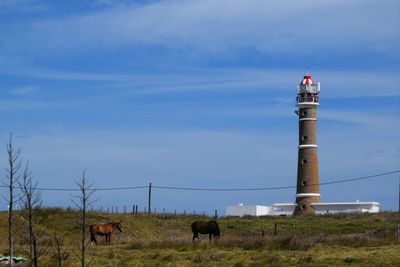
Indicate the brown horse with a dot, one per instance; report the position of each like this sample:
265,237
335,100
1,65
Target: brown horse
205,227
104,229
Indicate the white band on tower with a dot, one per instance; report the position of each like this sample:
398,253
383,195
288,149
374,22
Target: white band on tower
307,119
308,146
308,195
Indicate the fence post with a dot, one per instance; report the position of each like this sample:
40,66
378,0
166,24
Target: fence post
215,215
398,232
386,229
294,229
149,200
357,231
276,229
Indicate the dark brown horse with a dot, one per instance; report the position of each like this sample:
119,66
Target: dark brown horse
104,229
205,227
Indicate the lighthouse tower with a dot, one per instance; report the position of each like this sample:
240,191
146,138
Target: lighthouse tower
307,167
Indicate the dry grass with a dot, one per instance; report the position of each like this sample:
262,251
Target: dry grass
341,240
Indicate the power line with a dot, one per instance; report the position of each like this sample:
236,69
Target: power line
273,188
76,189
212,189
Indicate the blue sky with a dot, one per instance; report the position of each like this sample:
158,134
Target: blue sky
200,93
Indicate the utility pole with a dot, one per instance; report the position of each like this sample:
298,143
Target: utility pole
398,215
149,211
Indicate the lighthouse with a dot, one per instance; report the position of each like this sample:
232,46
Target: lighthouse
307,164
307,193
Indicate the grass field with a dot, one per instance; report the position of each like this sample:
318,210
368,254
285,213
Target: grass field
157,240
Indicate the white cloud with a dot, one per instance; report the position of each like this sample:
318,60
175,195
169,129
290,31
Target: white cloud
26,105
376,118
21,6
24,90
302,27
334,84
202,159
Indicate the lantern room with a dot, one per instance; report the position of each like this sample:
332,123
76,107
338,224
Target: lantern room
307,90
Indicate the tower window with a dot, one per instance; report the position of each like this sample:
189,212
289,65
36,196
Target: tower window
304,137
304,113
303,183
304,161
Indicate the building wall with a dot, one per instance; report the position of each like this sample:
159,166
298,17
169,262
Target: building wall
264,210
283,209
287,209
240,211
346,207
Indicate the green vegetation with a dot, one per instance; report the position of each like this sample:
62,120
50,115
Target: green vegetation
157,240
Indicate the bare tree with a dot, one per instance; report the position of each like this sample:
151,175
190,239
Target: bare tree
83,203
61,253
12,177
31,201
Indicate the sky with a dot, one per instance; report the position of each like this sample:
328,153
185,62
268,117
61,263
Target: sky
199,93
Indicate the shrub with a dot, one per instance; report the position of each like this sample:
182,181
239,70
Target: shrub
351,260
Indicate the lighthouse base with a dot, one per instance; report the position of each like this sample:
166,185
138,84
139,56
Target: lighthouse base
304,207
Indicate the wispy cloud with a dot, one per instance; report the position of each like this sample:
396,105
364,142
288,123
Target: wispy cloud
199,158
375,119
24,90
218,26
21,6
199,92
26,105
335,84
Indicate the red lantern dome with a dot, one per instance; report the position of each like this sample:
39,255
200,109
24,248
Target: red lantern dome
307,80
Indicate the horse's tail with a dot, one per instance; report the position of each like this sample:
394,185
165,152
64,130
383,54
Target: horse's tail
92,235
193,226
217,232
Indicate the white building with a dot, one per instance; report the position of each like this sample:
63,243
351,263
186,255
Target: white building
248,210
346,207
287,209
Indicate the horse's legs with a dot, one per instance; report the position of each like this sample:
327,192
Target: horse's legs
216,238
93,239
195,235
